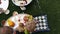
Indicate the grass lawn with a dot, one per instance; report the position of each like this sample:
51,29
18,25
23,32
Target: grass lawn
49,7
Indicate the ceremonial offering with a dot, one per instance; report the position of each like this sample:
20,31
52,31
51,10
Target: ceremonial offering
3,6
22,3
21,21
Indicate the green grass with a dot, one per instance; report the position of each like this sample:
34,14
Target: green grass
49,7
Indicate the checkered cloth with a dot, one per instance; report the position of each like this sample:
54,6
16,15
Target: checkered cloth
42,24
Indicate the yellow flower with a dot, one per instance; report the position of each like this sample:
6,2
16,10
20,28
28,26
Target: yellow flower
30,17
11,23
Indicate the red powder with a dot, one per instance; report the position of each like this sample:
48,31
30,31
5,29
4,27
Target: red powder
25,1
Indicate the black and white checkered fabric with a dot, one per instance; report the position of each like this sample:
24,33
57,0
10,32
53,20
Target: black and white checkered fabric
42,24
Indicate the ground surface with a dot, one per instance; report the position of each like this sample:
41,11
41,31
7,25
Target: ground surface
49,7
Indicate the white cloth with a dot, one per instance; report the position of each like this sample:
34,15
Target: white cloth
4,4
